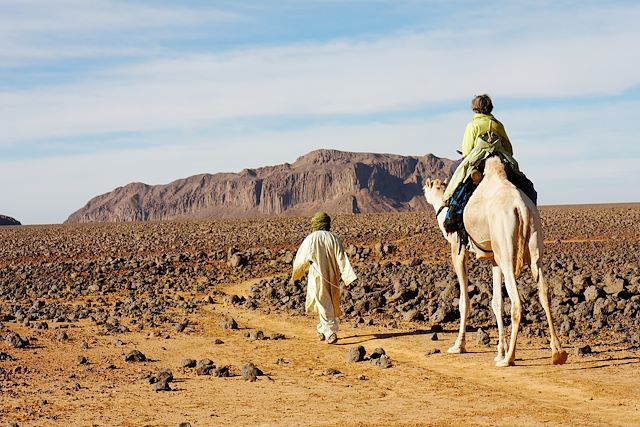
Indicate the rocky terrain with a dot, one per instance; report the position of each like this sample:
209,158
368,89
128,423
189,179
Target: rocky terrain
7,220
91,309
337,181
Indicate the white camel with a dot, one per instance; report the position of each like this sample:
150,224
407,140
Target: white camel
504,227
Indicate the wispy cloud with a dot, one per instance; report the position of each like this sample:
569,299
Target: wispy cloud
38,30
342,77
161,89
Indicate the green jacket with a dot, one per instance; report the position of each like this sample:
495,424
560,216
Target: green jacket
478,126
480,151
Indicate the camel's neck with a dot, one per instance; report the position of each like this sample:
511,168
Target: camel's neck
436,200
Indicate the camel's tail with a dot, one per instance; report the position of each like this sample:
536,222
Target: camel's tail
521,239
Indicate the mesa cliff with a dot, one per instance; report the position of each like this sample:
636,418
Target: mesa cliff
331,180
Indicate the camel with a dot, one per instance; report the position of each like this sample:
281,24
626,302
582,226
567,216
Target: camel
504,227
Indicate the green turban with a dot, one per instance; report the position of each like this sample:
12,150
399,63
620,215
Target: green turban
321,221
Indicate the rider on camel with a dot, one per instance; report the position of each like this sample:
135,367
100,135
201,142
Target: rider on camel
484,136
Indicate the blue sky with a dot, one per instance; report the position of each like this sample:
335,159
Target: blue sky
98,94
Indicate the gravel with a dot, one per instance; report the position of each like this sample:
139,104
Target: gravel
148,275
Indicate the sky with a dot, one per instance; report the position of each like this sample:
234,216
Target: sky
96,94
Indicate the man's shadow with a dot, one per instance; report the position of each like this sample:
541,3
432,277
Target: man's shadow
381,336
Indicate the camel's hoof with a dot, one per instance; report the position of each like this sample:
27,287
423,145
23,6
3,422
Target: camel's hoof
457,350
504,363
498,358
559,357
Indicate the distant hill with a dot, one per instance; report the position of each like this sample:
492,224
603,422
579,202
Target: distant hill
331,180
7,220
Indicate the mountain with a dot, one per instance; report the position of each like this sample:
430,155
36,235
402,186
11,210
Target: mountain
331,180
7,220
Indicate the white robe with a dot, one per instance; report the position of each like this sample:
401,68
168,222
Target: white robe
323,254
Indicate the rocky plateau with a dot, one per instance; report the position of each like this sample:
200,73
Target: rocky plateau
336,181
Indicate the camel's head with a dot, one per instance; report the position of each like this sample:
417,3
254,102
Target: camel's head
433,190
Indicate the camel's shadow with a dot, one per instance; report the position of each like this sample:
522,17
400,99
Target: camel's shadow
596,361
578,365
361,338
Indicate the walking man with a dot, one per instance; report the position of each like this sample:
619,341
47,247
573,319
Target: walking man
322,253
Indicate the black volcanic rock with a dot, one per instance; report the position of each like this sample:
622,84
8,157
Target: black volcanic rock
336,181
7,220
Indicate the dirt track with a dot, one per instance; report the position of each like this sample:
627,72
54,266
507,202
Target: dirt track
47,383
420,389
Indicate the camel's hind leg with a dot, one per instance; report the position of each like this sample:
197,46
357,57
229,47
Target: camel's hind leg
516,315
558,355
496,305
459,258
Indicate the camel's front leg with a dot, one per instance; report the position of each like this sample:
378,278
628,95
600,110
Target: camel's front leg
497,304
459,257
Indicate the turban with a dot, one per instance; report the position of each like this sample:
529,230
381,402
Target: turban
321,221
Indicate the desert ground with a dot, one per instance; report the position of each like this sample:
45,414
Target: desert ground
163,323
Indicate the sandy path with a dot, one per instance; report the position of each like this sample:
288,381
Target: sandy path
439,389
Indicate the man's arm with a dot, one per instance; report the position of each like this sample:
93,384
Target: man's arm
301,261
347,274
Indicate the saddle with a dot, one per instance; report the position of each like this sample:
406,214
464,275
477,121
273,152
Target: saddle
453,222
